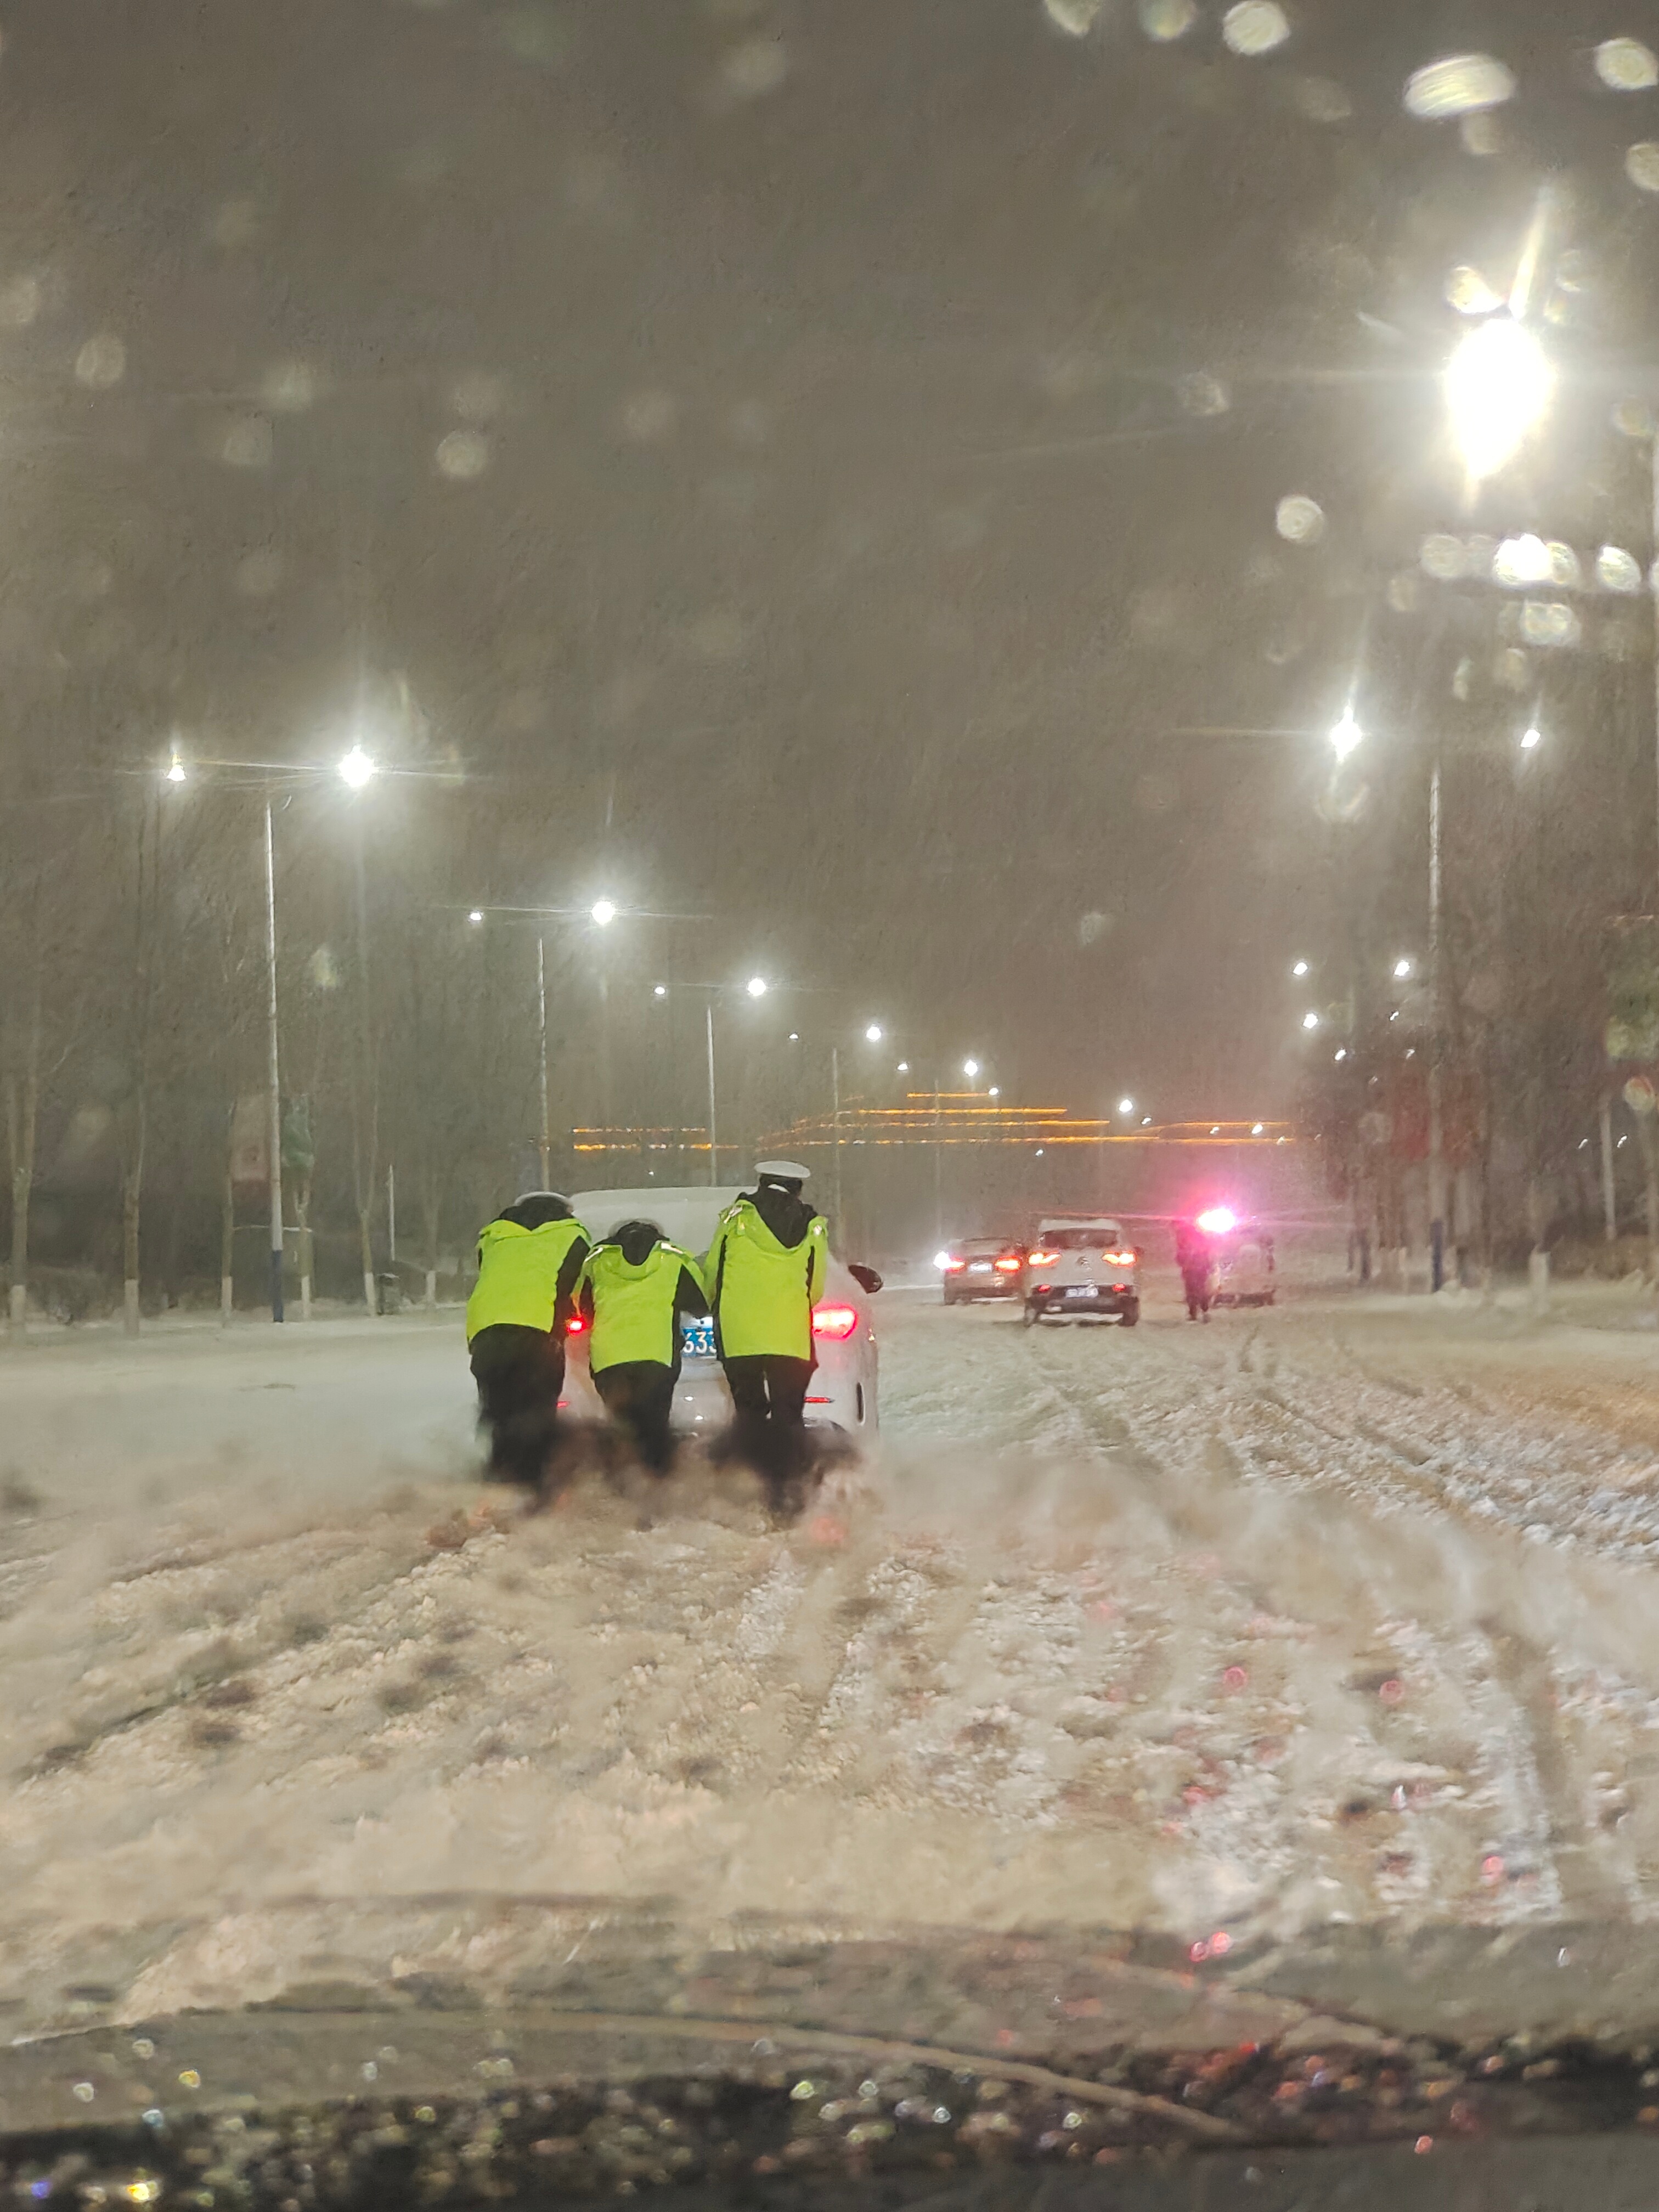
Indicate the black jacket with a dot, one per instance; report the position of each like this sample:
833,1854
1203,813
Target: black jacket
785,1212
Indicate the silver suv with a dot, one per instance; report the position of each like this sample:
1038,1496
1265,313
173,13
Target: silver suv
1079,1269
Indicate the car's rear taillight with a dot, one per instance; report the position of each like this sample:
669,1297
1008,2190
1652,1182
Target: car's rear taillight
955,1266
1119,1259
1040,1259
1008,1267
836,1322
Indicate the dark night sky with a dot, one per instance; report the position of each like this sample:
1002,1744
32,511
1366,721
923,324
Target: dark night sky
841,542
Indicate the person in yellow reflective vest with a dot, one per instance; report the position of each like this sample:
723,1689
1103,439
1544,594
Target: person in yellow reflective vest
634,1287
765,1271
529,1260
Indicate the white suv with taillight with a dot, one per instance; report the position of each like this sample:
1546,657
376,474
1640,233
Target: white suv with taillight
1081,1268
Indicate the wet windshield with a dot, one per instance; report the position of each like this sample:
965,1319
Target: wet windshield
672,671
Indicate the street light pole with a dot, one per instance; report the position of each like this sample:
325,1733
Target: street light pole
1437,1118
544,1146
708,1017
1653,573
273,1073
834,1092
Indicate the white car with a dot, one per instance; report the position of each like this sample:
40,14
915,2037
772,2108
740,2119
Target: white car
1081,1268
842,1393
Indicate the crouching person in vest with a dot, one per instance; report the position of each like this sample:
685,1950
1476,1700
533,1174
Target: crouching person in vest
529,1260
766,1271
635,1286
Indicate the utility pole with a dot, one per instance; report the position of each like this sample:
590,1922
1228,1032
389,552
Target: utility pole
273,1073
1609,1200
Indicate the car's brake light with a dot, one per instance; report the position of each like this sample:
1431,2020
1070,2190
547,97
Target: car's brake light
1040,1259
836,1322
1008,1267
955,1266
1119,1259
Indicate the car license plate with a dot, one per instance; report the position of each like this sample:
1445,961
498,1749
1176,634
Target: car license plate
979,1267
697,1339
1088,1292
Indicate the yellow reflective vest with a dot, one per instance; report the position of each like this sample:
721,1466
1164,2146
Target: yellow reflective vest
634,1307
761,1292
518,1275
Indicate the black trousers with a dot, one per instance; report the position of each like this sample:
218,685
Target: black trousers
1195,1281
639,1396
769,1403
519,1373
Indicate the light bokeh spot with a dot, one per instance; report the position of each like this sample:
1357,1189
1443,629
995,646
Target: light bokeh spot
1201,393
1460,84
101,363
1617,570
1300,519
1165,20
1256,27
462,455
1626,65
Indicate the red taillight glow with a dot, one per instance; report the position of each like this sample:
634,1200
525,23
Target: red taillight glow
575,1325
1040,1259
836,1322
1008,1267
955,1266
1119,1259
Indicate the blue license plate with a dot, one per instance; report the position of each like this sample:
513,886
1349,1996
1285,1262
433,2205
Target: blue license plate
697,1339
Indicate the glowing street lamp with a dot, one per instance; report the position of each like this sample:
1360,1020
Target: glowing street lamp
1310,1020
971,1069
756,987
176,771
476,916
1126,1105
874,1033
604,912
1347,734
1531,738
1402,969
1498,383
1300,968
356,768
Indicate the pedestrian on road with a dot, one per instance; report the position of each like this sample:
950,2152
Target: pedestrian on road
635,1286
529,1260
1196,1261
765,1271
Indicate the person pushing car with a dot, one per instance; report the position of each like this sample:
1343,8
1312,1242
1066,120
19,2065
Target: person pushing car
634,1284
765,1271
529,1260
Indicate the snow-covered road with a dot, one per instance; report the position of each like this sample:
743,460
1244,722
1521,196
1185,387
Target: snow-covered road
1344,1611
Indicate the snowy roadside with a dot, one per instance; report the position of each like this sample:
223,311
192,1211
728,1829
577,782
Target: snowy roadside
1335,1614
